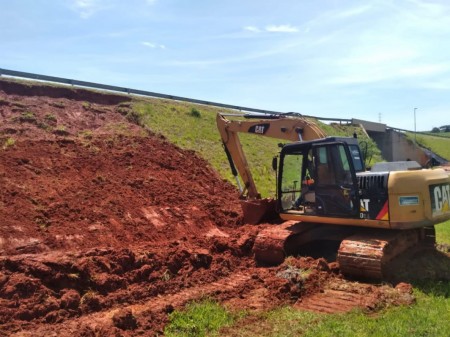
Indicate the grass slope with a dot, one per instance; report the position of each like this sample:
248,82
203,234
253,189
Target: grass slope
428,317
438,144
193,127
438,134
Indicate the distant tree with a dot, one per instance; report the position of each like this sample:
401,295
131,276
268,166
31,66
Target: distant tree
435,130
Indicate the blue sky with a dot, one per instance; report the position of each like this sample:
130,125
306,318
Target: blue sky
373,60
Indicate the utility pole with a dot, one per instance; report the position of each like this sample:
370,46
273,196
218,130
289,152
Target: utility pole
415,130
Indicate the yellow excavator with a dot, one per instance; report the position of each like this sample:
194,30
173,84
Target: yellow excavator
327,198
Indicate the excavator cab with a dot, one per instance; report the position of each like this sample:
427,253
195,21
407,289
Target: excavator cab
318,178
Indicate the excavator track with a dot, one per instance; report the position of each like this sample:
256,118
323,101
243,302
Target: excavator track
270,244
367,255
273,244
363,253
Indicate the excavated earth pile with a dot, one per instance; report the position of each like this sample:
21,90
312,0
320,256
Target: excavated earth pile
106,228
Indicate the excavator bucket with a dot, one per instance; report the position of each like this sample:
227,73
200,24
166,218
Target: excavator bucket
258,210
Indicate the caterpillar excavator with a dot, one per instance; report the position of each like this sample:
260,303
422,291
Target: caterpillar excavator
326,197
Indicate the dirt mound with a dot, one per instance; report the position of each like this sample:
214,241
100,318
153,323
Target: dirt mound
92,203
60,194
103,182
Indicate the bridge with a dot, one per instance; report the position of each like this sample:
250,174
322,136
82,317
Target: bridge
395,146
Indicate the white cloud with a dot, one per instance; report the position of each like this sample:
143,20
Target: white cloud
87,8
252,29
150,2
149,44
281,29
153,45
272,29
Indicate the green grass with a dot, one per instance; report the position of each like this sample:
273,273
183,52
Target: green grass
198,319
439,145
429,316
193,127
443,233
284,321
437,134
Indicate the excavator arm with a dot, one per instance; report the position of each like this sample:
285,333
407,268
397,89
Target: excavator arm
280,127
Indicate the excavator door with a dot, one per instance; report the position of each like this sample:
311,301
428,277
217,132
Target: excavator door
319,178
336,185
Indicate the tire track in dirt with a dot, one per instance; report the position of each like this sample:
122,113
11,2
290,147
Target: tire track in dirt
335,301
340,296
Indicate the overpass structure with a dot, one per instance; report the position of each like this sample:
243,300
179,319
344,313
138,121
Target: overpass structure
395,146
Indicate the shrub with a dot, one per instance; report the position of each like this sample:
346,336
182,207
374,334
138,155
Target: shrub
195,113
50,117
134,117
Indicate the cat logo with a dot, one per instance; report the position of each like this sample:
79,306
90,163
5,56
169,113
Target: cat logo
364,208
440,195
364,205
259,129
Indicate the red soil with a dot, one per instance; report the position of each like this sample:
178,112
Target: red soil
106,227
